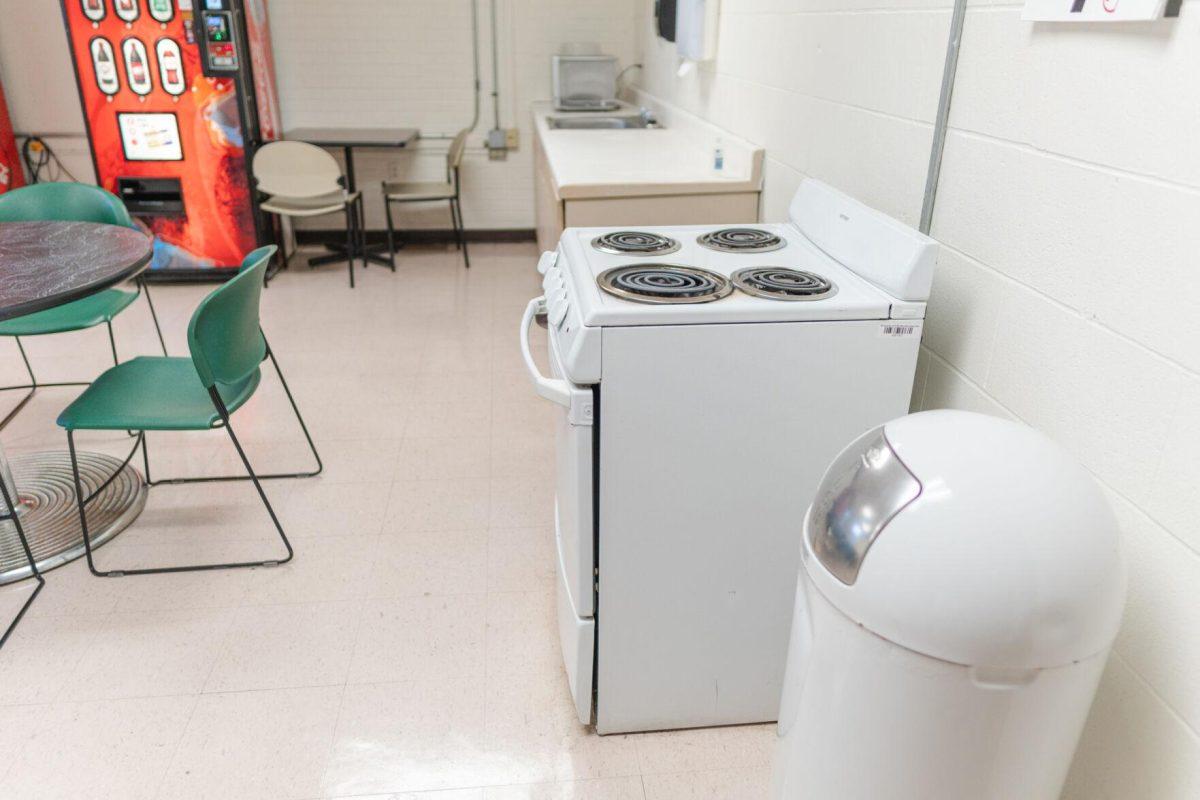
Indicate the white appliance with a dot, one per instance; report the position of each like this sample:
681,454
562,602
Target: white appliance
700,404
584,82
696,24
962,584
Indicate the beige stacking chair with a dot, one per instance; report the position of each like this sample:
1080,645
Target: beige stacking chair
302,180
396,192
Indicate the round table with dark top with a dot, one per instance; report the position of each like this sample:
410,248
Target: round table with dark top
43,265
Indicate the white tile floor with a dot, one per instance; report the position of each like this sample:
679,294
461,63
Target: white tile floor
409,651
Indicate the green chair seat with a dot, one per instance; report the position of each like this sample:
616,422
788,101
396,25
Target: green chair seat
152,393
85,313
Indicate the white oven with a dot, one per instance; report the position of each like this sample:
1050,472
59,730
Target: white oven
690,436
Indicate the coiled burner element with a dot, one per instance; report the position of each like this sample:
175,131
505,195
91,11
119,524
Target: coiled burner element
635,243
741,240
664,283
781,283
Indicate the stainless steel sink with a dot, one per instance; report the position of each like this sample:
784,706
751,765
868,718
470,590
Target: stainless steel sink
601,123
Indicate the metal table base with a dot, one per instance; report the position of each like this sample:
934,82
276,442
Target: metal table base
337,254
50,515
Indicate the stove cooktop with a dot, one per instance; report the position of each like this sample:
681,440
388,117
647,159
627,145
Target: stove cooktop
835,259
741,240
635,243
664,283
675,275
781,283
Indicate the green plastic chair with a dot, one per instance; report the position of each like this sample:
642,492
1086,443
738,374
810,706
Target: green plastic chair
153,393
68,202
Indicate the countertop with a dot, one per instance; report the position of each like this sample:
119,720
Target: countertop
675,159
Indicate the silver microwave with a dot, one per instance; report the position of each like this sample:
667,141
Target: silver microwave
584,83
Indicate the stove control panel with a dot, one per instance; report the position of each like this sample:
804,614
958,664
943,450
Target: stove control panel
555,287
578,346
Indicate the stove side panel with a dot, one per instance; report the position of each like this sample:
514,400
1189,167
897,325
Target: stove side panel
713,441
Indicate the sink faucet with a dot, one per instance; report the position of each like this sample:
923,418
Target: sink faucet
648,117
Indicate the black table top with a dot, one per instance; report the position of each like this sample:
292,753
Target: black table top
354,137
46,264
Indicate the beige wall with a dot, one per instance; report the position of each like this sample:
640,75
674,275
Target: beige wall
382,62
1069,211
35,67
365,62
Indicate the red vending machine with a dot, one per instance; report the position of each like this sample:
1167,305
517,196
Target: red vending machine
11,175
177,94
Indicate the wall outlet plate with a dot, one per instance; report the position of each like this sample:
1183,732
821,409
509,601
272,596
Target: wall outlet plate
512,138
497,144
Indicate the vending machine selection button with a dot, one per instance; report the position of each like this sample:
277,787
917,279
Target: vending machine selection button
161,10
137,66
93,9
104,66
170,67
127,9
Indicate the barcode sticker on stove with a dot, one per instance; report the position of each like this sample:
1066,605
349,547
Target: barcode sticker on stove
894,330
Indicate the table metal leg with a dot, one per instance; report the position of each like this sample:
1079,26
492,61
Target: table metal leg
45,493
6,477
365,252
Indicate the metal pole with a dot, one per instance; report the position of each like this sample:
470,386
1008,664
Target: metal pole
495,69
475,58
949,72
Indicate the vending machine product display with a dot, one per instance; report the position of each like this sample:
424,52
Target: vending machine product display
177,94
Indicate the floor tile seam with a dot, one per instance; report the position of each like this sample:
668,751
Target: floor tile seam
226,640
170,761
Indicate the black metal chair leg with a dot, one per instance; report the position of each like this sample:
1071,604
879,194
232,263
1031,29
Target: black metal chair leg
82,502
362,231
153,314
32,386
268,477
454,225
10,515
462,233
112,342
299,418
350,242
391,232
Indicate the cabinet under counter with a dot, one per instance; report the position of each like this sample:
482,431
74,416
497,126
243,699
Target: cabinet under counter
640,176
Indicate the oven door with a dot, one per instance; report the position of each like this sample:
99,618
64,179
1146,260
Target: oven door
574,464
573,515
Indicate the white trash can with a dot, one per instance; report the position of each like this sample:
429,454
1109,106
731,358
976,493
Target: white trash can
962,584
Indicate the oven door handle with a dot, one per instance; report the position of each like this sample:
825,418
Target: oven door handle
555,391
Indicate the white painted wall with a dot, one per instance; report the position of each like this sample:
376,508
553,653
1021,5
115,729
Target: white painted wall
382,62
39,85
1070,214
366,62
843,90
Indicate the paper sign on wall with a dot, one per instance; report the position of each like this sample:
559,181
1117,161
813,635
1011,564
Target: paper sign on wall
1093,10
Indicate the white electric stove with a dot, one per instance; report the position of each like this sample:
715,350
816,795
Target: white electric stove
707,375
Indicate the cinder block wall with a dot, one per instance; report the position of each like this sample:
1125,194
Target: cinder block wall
1069,211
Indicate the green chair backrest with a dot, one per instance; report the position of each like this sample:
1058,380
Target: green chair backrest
224,336
64,202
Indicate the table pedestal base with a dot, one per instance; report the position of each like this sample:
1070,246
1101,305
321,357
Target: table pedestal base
337,255
50,515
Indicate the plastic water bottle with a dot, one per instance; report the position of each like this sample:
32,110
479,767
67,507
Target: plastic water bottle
719,157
